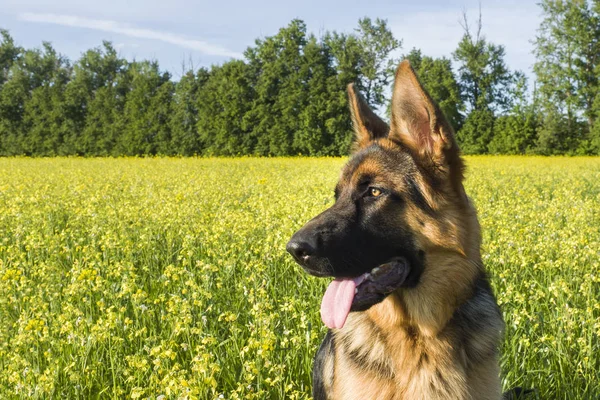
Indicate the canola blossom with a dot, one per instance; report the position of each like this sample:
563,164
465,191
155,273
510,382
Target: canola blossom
168,278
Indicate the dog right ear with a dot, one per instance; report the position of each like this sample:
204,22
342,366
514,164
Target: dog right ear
367,125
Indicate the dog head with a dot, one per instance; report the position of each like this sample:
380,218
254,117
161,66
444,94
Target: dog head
399,198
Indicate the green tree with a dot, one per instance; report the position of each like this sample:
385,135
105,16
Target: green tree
14,91
515,132
346,52
363,57
594,140
103,123
555,128
43,129
477,131
147,111
223,103
184,120
96,99
593,145
324,126
9,53
567,50
276,64
376,43
485,83
159,117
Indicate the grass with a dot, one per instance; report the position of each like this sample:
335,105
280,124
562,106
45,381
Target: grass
141,278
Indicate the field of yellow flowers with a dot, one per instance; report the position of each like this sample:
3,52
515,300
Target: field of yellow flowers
168,278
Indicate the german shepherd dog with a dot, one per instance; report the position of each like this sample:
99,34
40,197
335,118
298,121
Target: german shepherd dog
411,312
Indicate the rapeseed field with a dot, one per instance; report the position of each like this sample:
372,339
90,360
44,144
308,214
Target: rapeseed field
168,278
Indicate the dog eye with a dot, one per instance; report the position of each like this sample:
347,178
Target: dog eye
374,192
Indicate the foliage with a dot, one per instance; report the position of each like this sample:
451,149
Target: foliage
147,111
477,131
98,92
567,49
286,98
376,66
287,95
485,83
515,132
482,72
9,53
185,139
223,102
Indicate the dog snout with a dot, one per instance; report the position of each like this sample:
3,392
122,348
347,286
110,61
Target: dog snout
302,247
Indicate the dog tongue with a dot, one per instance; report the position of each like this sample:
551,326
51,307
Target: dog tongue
337,301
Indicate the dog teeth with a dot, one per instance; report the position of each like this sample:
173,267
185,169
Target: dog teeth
355,290
375,270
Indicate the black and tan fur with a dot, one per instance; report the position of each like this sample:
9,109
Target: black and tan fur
437,336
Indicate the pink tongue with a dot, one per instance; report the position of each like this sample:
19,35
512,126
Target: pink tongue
337,301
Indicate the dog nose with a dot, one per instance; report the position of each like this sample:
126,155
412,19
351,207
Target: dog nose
300,249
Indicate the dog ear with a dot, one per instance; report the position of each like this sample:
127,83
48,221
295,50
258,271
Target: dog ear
367,125
419,124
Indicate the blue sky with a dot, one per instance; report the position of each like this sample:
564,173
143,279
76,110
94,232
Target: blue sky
211,32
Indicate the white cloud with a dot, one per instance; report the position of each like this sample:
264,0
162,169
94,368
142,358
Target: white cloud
120,46
131,31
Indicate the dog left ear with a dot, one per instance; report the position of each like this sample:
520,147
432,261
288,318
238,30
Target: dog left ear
367,125
419,124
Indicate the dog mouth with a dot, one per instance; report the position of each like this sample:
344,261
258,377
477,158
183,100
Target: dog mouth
344,295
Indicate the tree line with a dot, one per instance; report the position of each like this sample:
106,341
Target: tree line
287,96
